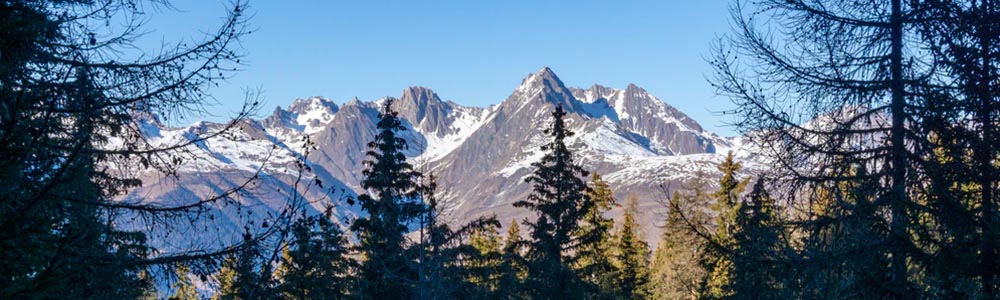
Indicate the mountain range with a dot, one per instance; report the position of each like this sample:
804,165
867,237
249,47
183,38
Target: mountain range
480,155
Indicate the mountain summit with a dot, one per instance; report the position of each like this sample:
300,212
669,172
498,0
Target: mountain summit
480,155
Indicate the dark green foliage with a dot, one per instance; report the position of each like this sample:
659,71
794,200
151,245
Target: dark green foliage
759,265
718,254
56,237
843,242
391,204
632,256
244,277
64,95
594,262
558,196
960,121
449,266
513,267
677,270
316,264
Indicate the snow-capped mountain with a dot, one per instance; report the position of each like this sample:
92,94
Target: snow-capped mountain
480,155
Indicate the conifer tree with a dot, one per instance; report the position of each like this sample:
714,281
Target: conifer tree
86,244
677,269
632,256
758,258
484,267
315,265
718,255
66,91
963,39
558,196
242,278
842,227
512,270
594,253
437,257
858,70
183,288
451,263
391,205
225,278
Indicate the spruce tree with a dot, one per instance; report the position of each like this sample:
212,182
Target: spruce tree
594,252
391,204
484,266
513,269
842,227
451,263
85,245
677,269
759,264
718,255
315,265
439,278
632,256
558,196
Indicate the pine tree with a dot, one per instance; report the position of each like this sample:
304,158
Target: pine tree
484,267
436,269
632,256
758,259
718,255
84,244
183,288
512,269
557,195
315,265
453,263
677,269
842,228
951,217
594,253
391,204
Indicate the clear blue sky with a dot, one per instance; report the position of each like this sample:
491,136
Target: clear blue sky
471,52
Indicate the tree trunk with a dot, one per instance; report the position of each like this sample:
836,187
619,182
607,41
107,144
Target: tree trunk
985,151
898,193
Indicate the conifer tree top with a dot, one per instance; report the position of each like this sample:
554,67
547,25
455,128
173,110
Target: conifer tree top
387,174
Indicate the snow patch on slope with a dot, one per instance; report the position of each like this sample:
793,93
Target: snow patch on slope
466,121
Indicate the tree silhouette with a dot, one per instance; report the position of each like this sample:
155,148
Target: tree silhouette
558,196
392,204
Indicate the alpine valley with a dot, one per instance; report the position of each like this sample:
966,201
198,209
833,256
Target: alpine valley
480,155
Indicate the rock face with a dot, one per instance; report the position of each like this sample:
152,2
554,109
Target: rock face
480,155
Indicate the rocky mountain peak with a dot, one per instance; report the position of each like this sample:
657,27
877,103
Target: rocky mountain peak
481,154
309,115
421,106
542,87
353,102
304,106
632,88
542,79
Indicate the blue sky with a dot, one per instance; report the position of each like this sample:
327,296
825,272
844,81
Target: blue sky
471,52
